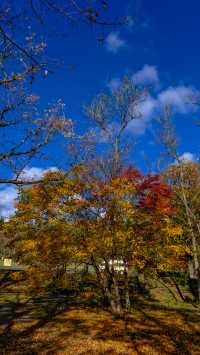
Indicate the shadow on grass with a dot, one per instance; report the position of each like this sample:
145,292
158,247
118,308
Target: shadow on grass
20,320
149,329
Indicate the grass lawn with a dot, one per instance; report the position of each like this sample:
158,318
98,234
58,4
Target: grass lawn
63,325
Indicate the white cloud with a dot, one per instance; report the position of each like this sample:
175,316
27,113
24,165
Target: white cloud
137,127
179,98
144,112
114,84
8,198
147,75
114,42
147,107
187,156
35,173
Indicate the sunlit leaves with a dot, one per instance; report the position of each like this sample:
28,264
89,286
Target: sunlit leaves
75,217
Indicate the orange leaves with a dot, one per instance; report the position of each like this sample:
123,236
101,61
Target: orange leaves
80,216
118,186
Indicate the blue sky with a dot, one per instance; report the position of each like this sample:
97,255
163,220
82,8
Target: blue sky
159,47
163,37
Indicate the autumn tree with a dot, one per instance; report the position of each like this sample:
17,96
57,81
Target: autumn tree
99,213
99,222
184,178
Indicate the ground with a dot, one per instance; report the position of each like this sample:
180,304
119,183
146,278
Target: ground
73,326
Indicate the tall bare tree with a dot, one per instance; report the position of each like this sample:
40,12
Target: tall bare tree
184,177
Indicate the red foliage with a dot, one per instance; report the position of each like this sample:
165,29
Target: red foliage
155,194
132,174
152,193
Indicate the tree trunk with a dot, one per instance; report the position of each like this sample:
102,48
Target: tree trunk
109,288
196,269
111,293
194,280
126,290
117,298
102,282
